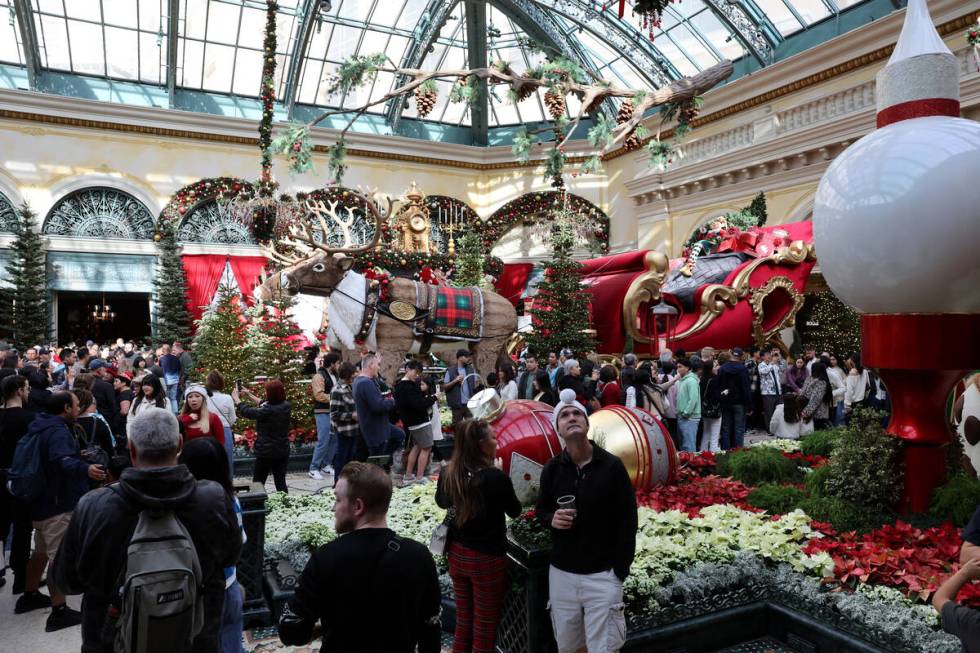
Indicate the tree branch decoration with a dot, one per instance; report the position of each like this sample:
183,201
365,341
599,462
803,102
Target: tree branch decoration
560,77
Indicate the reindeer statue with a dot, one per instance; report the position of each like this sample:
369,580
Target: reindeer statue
396,319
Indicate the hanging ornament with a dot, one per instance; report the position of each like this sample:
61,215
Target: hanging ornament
625,114
555,102
425,98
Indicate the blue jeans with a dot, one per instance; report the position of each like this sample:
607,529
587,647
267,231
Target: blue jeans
839,413
172,396
732,426
689,433
230,450
231,621
396,437
326,443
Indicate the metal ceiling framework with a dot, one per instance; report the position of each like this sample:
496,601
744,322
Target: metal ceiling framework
551,22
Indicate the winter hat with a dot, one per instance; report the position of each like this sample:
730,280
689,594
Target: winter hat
567,398
198,388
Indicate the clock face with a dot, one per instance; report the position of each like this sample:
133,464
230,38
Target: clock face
417,223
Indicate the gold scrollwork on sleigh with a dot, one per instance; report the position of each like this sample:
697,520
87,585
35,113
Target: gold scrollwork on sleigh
760,334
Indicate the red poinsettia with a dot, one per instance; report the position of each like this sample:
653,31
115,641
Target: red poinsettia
808,461
703,462
898,555
694,492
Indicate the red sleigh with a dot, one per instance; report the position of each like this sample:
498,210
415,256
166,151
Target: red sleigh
746,291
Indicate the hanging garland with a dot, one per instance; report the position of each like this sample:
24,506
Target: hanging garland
534,206
203,190
268,91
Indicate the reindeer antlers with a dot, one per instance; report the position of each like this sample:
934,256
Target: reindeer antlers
303,239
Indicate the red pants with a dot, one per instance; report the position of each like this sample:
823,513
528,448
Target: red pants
480,585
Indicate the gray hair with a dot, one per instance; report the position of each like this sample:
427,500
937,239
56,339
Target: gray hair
154,433
666,355
629,359
569,364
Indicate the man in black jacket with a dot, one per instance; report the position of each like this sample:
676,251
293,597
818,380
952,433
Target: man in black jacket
93,551
735,389
371,591
103,390
587,500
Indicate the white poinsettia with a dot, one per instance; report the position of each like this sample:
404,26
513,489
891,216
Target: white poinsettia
782,444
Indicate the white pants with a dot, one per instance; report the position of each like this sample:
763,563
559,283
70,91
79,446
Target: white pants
587,610
712,431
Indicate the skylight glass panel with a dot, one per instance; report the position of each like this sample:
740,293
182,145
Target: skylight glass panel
811,10
692,47
780,15
357,10
220,45
120,39
10,48
718,35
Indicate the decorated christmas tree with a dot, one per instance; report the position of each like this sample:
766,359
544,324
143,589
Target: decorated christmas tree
27,309
830,324
170,290
469,262
221,339
274,348
560,313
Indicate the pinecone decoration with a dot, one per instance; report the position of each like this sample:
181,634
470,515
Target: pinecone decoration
425,101
688,112
632,141
555,102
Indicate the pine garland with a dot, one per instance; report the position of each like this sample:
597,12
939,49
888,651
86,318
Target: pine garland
28,311
170,292
469,262
268,90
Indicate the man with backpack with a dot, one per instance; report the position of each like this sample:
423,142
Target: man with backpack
49,473
149,552
15,518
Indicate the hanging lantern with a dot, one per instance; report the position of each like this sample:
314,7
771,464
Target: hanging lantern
661,325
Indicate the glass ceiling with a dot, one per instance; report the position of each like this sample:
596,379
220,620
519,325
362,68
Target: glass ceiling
218,43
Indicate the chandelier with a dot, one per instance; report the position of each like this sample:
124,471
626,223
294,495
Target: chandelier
103,312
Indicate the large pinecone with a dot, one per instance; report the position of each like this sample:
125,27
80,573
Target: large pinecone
688,112
632,141
555,103
425,101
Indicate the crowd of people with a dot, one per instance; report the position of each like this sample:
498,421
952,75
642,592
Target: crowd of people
123,431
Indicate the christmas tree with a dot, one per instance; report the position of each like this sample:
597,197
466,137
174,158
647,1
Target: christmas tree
758,209
274,349
28,308
221,340
469,262
170,290
560,314
829,324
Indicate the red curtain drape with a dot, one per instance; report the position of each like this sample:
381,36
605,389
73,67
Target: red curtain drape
203,272
247,270
513,280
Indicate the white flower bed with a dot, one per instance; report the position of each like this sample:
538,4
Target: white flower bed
782,444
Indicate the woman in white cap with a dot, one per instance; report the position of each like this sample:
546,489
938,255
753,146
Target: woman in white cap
195,418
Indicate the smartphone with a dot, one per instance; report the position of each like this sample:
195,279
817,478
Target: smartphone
238,384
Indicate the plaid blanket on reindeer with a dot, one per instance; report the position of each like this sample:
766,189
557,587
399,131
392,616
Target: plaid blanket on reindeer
453,312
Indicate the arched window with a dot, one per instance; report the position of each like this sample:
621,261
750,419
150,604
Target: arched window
208,222
8,215
100,213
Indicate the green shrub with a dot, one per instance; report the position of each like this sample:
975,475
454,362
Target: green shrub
865,468
723,465
956,500
776,499
821,443
816,481
758,465
843,515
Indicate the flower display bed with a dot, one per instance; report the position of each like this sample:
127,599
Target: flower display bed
709,567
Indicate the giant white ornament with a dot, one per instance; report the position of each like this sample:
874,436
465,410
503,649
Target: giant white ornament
896,219
896,215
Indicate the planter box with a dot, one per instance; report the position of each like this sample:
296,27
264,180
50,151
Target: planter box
252,498
298,462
